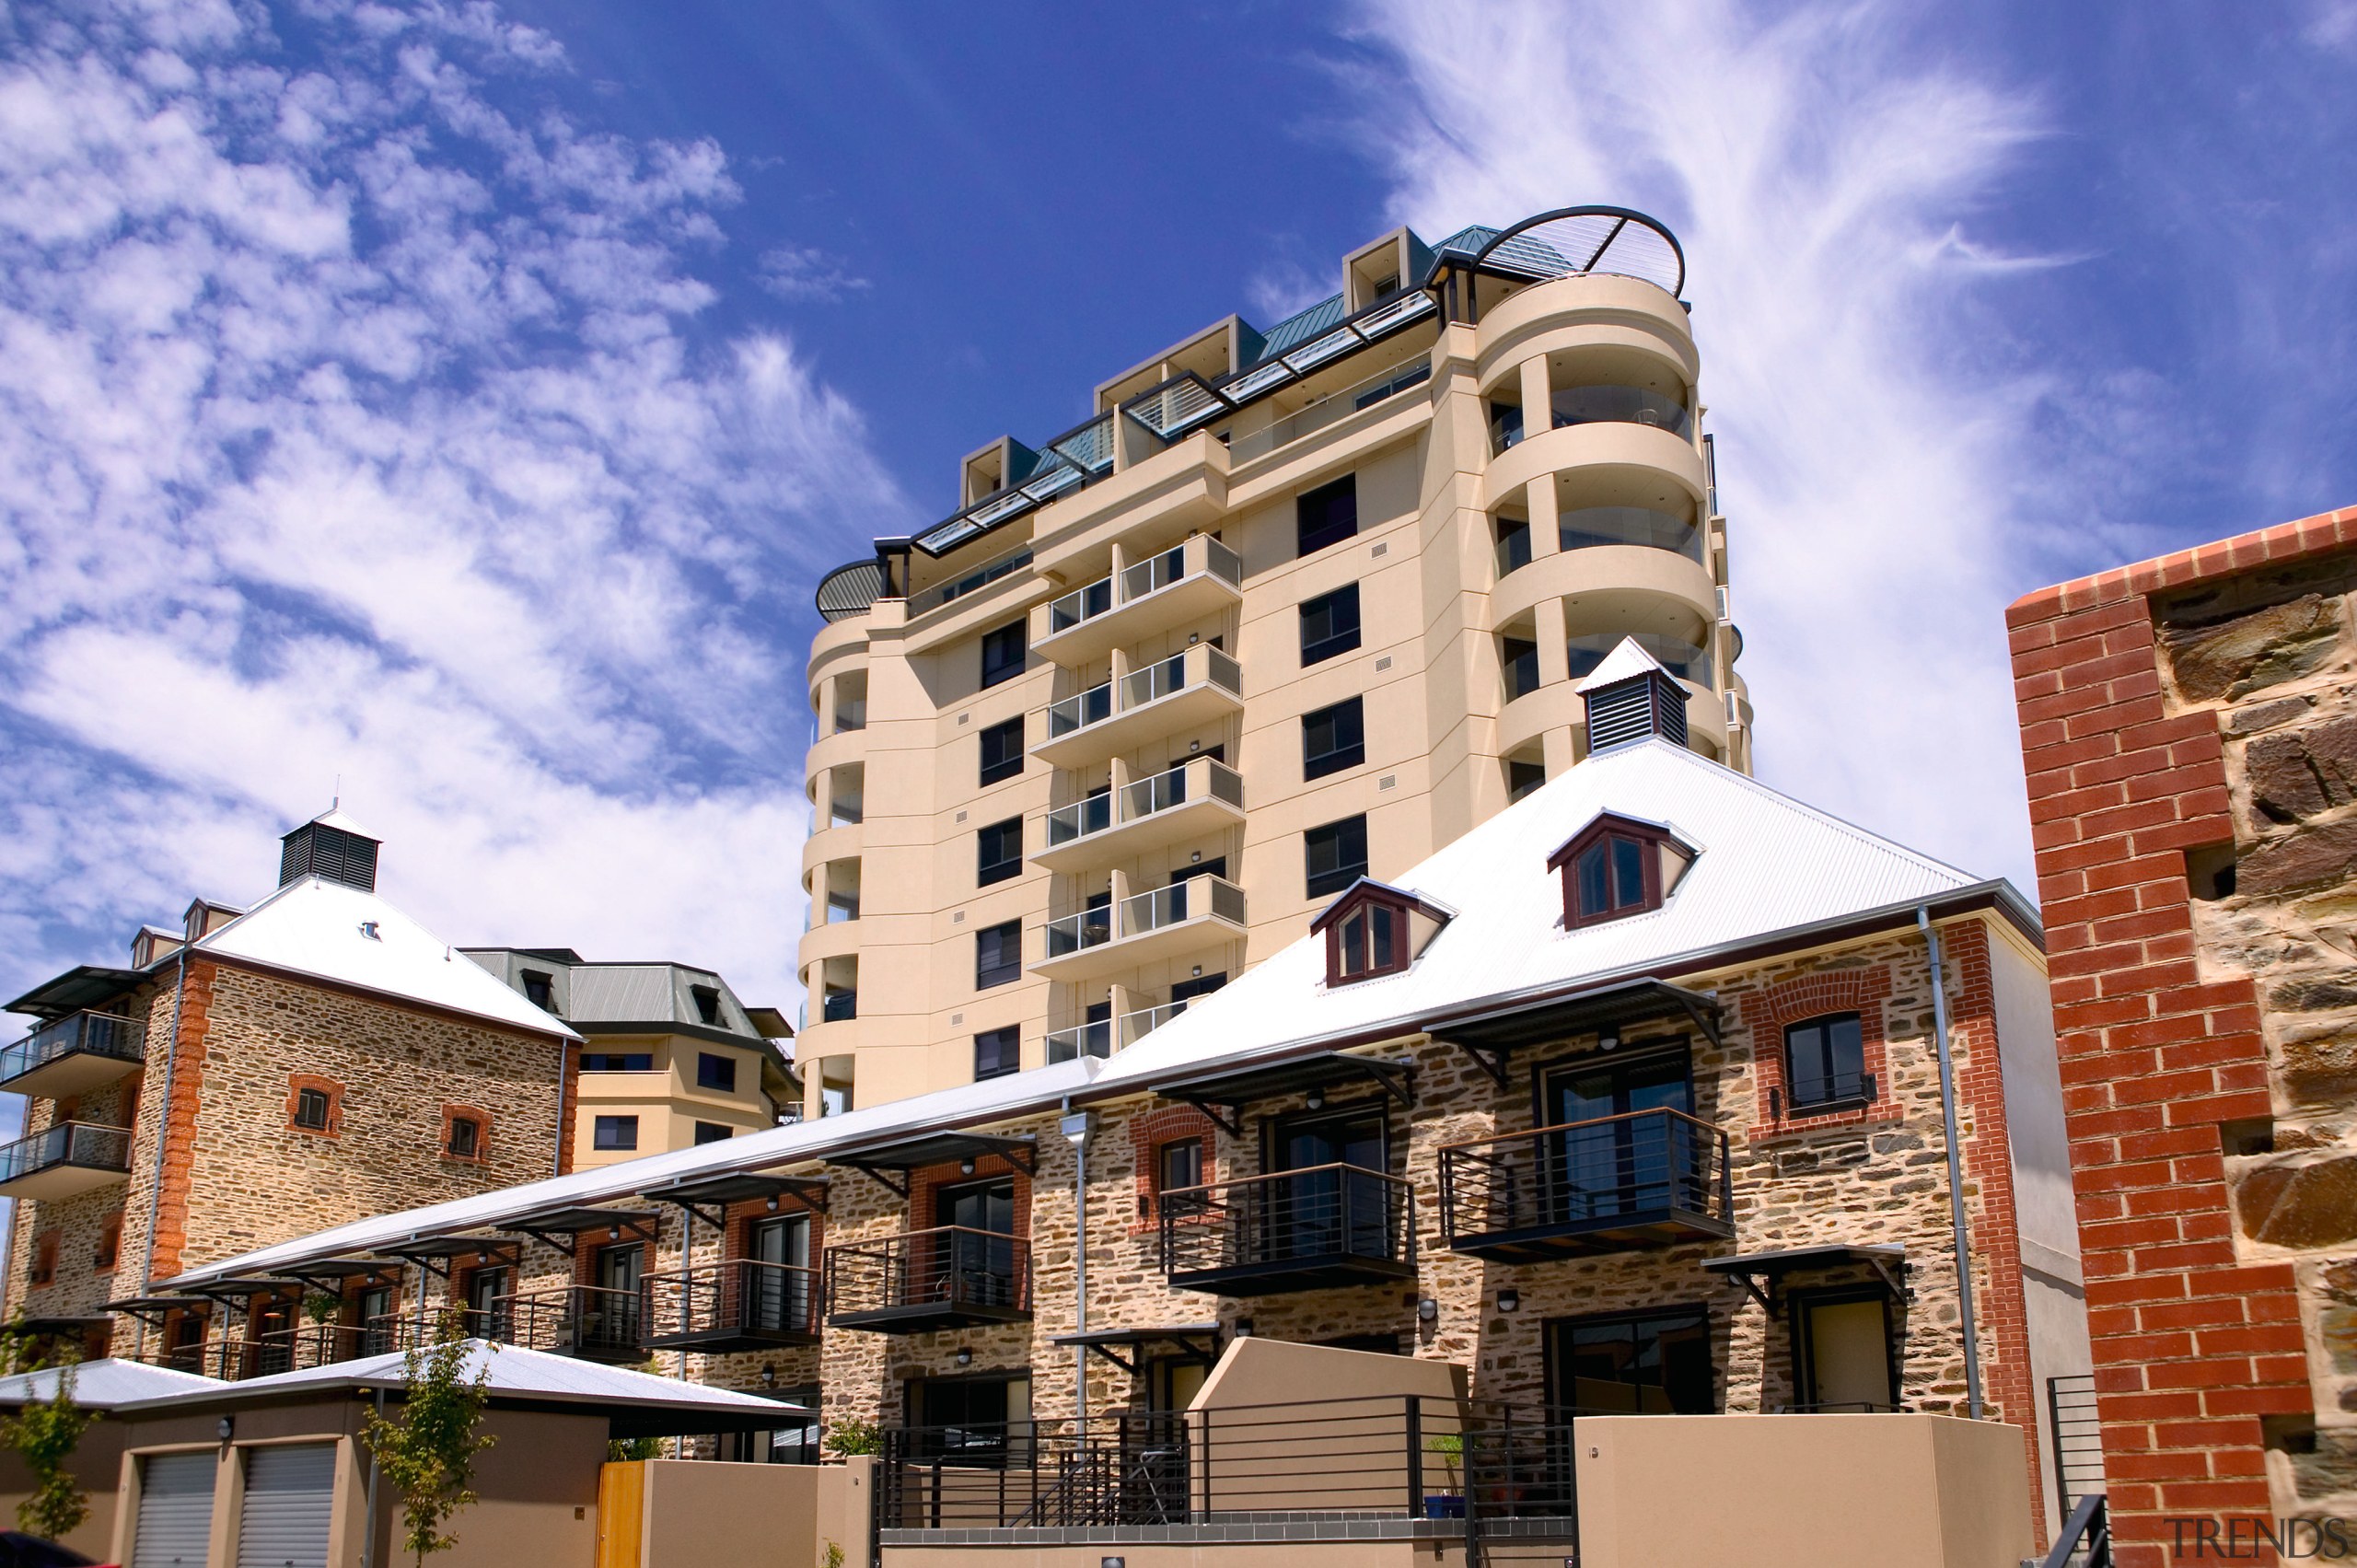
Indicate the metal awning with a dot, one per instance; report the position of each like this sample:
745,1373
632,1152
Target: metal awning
1195,1339
337,1270
1748,1269
433,1253
1233,1089
244,1287
150,1309
936,1148
694,1193
1491,1039
86,985
561,1227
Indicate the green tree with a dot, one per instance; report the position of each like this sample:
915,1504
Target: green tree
44,1433
427,1452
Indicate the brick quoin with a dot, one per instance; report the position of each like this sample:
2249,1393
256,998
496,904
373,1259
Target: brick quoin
1767,1014
2192,1348
187,1072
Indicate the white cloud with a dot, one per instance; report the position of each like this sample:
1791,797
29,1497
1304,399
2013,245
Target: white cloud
807,275
350,424
1824,177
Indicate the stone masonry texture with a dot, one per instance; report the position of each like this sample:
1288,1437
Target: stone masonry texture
2189,732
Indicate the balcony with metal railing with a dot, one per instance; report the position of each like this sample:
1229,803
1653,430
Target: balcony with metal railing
592,1322
1103,1037
1199,796
948,1277
72,1055
1167,590
1332,408
61,1161
1313,1229
1182,692
1646,1178
1185,916
741,1304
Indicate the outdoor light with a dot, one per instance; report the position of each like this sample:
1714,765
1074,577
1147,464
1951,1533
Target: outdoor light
964,1356
1428,1311
769,1377
966,1166
613,1233
1316,1099
773,1202
1608,1037
1196,858
1509,1299
228,1427
1199,971
1244,1327
481,1257
1194,637
1194,746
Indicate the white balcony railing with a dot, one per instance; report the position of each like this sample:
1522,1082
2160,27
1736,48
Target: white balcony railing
1107,1036
1146,798
1103,702
1193,899
1199,555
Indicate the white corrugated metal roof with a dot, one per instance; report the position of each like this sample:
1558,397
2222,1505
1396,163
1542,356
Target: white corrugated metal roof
334,816
515,1371
1625,662
313,926
103,1385
1766,864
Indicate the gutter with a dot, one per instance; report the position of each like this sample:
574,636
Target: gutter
1955,1163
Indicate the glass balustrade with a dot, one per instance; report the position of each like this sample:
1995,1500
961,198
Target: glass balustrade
1591,526
1199,664
1596,405
1688,661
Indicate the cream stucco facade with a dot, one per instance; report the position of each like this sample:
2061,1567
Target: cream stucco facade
1179,645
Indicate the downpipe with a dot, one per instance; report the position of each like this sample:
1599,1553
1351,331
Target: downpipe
1957,1221
1076,1127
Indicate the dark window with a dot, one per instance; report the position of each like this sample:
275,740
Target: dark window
618,1062
311,1109
1335,856
1200,985
615,1133
1327,515
1825,1062
715,1072
997,1052
707,1004
1329,624
1519,657
45,1258
1522,778
998,955
1370,940
1655,1364
109,1244
1002,653
1003,750
712,1132
1333,738
539,990
1608,877
466,1138
998,852
1179,1164
1514,544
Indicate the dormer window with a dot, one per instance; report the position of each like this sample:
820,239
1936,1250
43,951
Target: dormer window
1618,867
1374,930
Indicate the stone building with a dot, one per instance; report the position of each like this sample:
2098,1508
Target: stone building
671,1057
1291,606
256,1076
2190,727
1658,1092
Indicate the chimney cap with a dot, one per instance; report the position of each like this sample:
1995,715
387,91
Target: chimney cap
334,816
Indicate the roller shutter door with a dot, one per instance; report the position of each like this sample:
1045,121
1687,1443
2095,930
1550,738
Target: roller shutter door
174,1511
289,1491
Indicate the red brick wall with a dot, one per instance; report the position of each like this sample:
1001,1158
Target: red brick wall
1767,1014
2191,1347
180,1123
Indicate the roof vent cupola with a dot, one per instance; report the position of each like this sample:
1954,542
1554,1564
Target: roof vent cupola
330,846
1629,697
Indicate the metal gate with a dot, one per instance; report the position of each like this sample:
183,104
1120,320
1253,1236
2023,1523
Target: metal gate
175,1524
290,1491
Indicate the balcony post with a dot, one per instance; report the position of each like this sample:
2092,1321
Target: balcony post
1114,598
1537,400
1546,517
1415,1455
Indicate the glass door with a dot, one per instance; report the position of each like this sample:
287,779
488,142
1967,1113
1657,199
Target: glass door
977,1263
1613,1160
274,1337
375,1312
1324,1212
489,1315
609,1321
776,1293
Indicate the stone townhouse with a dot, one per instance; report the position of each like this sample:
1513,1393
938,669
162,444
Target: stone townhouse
257,1076
1660,1092
2190,729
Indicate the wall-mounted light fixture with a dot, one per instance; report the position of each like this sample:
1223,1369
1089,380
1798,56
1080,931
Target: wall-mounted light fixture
1608,1037
772,1203
1199,971
1509,1299
1428,1311
966,1166
769,1377
228,1427
1317,1100
1243,1329
964,1356
1196,858
613,1233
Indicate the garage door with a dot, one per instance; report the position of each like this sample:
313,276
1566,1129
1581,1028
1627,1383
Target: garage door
289,1490
174,1511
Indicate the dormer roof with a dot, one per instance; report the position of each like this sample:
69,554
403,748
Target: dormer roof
1625,663
1367,888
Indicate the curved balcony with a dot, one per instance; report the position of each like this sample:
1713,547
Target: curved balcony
834,750
1197,797
1663,588
61,1161
949,1277
1191,690
1603,405
739,1305
1313,1229
1648,1178
1584,312
1184,917
842,841
73,1055
837,939
823,1036
1689,661
1158,594
1611,452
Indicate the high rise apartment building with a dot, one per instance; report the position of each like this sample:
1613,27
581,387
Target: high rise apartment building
1291,607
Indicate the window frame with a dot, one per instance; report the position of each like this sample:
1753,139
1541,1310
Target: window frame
1008,767
1341,758
478,1150
544,984
1333,644
1367,898
1010,968
1010,1036
597,1061
1651,839
993,640
1341,878
711,1132
1800,1302
990,873
1866,1089
1308,541
1163,1151
599,1126
705,1062
299,1095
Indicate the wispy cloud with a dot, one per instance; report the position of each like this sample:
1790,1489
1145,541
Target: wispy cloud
351,423
807,274
1825,176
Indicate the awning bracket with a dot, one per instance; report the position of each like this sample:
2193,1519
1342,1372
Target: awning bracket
875,1173
1232,1123
1490,1059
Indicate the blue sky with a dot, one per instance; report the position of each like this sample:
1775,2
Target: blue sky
461,401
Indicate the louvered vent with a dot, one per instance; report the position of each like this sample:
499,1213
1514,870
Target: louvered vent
316,849
1630,710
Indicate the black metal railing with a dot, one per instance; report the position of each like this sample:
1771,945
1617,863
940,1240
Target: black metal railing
91,1034
2077,1433
739,1295
315,1344
949,1270
81,1144
1812,1096
1407,1459
1294,1220
594,1322
1648,1169
2085,1540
